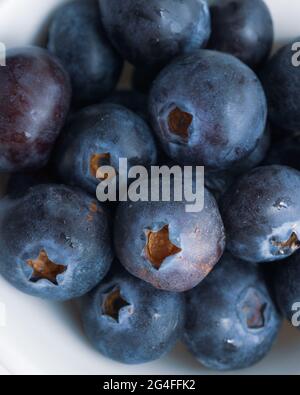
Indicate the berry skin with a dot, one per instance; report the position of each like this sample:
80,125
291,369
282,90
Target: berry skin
152,33
281,80
219,182
232,321
98,136
34,102
286,283
208,109
162,244
129,321
243,28
55,242
261,214
77,38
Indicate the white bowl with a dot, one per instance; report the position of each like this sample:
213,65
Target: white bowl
38,337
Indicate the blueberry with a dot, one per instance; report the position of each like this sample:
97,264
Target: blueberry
286,281
232,321
261,213
151,34
55,242
161,243
99,136
208,109
243,28
281,80
34,102
77,38
131,322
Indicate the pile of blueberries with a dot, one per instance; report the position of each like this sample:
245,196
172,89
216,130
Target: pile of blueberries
205,92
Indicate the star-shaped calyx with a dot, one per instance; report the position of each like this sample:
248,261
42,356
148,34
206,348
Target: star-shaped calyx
98,160
159,247
113,302
179,123
253,309
45,269
288,246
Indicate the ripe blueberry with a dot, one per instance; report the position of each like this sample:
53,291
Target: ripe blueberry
261,213
152,33
55,242
164,245
131,322
98,136
243,28
77,38
208,109
281,80
232,321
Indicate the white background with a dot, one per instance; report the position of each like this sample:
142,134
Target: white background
37,337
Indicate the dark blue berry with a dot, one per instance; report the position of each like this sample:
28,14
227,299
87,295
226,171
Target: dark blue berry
208,109
99,136
261,213
152,33
130,321
243,28
77,38
55,242
166,246
281,80
232,321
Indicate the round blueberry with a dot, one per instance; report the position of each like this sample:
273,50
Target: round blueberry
55,242
77,38
161,243
261,213
281,80
151,33
99,136
232,321
208,109
34,102
131,322
243,28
